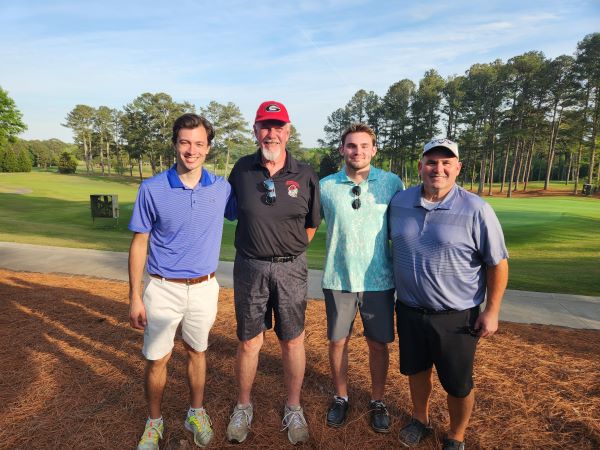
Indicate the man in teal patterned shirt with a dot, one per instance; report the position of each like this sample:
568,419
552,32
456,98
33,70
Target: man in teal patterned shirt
358,272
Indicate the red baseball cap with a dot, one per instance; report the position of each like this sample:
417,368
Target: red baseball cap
272,110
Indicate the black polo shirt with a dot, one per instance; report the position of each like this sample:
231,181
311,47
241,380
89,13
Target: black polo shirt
278,229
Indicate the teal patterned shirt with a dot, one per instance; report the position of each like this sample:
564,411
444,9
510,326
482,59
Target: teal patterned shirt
357,255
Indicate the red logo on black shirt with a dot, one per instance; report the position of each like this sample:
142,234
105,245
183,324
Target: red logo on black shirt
292,187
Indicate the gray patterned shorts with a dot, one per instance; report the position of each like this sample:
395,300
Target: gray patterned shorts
262,288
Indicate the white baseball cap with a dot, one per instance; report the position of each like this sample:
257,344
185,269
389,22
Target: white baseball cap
444,143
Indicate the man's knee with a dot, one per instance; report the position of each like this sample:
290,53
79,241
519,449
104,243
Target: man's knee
192,352
340,343
157,365
422,378
252,345
458,391
293,343
377,347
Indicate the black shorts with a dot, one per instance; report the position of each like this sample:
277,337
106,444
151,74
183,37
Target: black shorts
261,288
444,339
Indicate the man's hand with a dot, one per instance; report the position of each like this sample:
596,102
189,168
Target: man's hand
486,324
310,232
137,313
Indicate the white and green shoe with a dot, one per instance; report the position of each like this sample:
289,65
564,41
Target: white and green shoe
152,433
200,424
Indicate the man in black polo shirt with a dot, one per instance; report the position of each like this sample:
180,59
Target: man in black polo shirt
278,214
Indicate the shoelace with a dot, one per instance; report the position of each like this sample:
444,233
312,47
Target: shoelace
238,417
293,419
339,401
379,406
202,422
151,433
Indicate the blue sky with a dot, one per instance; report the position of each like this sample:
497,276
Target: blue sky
311,55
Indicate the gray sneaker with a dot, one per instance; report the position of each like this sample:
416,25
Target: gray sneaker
295,423
413,433
201,426
239,423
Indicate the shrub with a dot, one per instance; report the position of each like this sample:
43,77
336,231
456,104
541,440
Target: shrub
8,160
23,161
67,163
329,164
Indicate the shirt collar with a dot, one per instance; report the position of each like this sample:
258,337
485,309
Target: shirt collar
175,181
343,176
447,203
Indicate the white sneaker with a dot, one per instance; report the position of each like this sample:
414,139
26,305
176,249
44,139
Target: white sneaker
239,423
295,423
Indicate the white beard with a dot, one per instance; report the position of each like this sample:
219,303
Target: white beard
270,155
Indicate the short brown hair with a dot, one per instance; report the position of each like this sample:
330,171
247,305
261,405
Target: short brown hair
189,121
359,128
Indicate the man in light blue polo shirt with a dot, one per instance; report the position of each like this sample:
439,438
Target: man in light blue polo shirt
177,222
449,253
358,268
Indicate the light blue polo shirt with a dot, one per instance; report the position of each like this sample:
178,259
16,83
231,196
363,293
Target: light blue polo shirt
357,255
441,255
185,225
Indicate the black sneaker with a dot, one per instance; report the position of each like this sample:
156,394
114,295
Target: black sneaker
336,414
413,433
452,444
380,419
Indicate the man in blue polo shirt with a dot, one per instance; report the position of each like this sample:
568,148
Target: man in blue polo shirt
177,222
448,253
358,268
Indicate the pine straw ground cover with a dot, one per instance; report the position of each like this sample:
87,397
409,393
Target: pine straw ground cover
71,378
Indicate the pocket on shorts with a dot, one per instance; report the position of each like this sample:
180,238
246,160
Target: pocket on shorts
148,288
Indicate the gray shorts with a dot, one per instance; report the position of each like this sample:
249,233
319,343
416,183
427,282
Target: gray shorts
262,288
376,311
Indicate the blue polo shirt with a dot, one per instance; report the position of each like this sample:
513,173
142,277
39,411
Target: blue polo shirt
440,256
185,225
357,255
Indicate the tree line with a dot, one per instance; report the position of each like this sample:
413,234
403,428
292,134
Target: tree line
531,117
114,139
20,155
11,124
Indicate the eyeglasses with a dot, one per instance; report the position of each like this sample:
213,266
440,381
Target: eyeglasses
356,201
271,196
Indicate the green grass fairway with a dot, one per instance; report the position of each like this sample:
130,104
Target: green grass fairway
554,242
50,209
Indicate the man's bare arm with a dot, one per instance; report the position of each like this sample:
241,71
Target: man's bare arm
497,278
137,261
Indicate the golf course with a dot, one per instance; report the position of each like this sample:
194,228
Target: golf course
553,240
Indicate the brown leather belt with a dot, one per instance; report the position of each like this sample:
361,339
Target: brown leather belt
187,281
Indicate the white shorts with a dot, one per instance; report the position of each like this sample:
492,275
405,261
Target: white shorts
168,304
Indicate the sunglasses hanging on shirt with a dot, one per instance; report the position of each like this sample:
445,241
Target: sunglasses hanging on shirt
269,186
356,192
